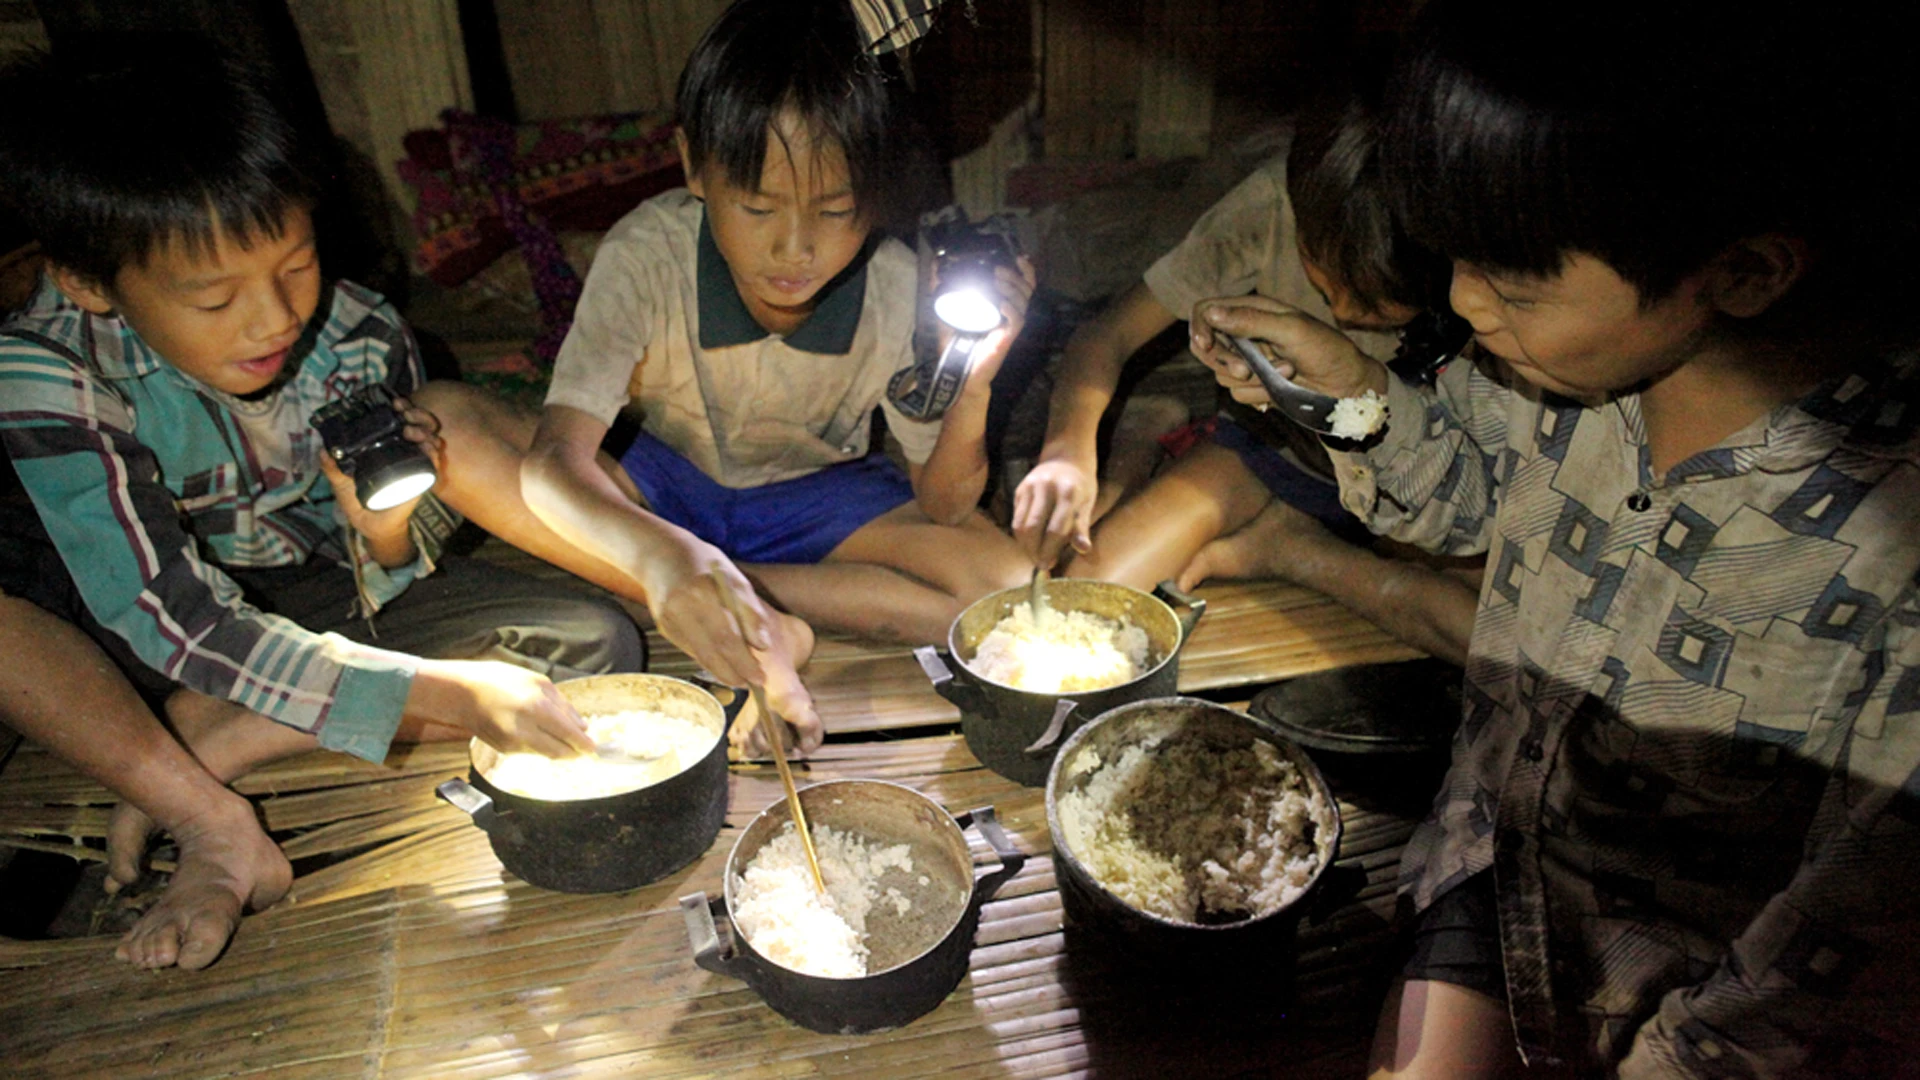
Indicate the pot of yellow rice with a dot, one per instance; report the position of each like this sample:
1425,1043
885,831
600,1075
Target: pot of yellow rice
590,824
891,937
1024,679
1188,836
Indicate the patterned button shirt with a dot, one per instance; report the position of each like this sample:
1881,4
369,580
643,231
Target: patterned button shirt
1690,751
148,481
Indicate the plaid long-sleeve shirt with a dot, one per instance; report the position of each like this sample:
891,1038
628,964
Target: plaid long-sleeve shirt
148,482
1690,752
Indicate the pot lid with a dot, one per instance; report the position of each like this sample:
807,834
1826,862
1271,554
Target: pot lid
1398,708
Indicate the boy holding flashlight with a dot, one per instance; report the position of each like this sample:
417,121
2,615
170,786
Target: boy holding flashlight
754,320
155,399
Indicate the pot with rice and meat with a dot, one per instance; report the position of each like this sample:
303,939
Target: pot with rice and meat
1188,836
649,805
1024,677
891,937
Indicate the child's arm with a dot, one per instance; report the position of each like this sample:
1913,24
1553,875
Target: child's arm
1053,506
1431,479
118,529
565,487
949,484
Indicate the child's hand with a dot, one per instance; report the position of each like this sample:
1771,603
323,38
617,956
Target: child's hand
688,608
1016,292
421,428
1308,351
508,707
1053,506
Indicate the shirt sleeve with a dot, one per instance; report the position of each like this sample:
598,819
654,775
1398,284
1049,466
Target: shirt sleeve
98,492
1821,982
610,333
1432,480
1223,253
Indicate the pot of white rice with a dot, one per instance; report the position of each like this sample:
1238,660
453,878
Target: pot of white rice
1024,680
1188,835
588,824
892,937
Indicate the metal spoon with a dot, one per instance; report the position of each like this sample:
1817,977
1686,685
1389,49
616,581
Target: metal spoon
776,737
1308,408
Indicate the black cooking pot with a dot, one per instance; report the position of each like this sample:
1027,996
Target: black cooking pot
615,842
1017,732
916,958
1149,940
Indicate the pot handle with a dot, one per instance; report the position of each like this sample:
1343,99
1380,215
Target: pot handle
954,688
473,801
1194,607
704,935
734,700
1049,740
1011,858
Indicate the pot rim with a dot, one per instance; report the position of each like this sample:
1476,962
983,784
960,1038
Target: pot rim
1308,767
966,662
476,746
950,826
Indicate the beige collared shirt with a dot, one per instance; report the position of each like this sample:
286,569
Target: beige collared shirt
747,414
1246,243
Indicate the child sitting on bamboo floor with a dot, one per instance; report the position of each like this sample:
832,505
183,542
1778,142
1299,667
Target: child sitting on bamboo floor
1677,839
155,399
754,320
1254,497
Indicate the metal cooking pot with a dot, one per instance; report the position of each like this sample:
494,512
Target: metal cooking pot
616,842
916,958
1150,940
1016,732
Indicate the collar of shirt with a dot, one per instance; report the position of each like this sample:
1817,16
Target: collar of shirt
725,320
109,346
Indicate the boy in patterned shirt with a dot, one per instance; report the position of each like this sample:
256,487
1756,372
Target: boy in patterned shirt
155,399
1679,834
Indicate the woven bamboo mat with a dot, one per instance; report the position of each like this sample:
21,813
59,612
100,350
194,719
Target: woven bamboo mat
422,958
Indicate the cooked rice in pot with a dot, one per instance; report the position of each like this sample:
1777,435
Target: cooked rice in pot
660,746
1191,831
777,907
1063,652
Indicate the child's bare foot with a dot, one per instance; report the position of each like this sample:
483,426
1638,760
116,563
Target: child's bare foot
227,865
1279,542
128,830
786,694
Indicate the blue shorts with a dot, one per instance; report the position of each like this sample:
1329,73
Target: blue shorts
1315,496
793,521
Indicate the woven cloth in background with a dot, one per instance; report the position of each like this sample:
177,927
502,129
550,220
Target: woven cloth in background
890,24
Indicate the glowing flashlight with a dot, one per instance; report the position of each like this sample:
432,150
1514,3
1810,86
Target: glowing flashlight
365,434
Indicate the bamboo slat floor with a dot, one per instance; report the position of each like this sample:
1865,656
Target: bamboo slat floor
405,951
430,961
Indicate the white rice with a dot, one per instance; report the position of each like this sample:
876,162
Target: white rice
777,907
1065,652
1358,417
1177,827
665,746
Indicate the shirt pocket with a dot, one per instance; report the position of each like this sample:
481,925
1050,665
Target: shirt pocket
209,501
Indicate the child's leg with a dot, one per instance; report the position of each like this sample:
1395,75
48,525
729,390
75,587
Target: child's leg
96,722
1431,1029
486,439
1147,539
1427,608
900,576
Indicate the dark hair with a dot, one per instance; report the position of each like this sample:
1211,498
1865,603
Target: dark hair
1647,133
128,146
763,57
1346,221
